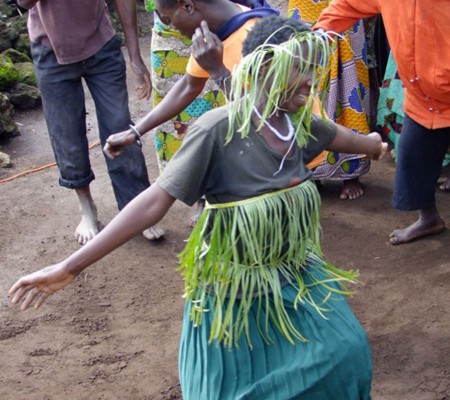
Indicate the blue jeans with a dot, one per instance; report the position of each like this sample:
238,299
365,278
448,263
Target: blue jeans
419,163
65,113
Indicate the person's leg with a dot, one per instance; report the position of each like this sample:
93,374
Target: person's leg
65,115
420,155
105,76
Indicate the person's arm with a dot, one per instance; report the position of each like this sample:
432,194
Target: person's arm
27,4
144,211
347,141
179,97
340,15
127,15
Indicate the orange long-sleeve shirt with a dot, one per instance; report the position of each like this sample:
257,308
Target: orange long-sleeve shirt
419,35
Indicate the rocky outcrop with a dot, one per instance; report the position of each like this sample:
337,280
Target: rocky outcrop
18,86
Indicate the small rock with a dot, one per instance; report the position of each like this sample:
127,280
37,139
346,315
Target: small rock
26,73
16,56
24,97
5,160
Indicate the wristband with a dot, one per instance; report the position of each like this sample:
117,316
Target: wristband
137,134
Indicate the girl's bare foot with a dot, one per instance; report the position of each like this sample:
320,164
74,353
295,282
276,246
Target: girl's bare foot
352,189
418,229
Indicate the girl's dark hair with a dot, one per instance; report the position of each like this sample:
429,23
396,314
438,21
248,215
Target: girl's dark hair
270,30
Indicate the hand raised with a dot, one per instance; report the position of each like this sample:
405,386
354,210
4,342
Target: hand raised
207,49
35,288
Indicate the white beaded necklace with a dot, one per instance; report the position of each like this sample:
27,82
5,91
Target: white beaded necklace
284,138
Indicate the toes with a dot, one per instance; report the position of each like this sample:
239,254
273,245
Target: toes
393,240
79,238
154,233
83,238
349,194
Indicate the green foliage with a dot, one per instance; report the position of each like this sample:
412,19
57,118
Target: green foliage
8,73
150,5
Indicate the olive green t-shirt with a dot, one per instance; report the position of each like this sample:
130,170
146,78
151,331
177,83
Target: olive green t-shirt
243,168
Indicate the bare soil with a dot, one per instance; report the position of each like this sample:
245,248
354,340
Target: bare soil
114,333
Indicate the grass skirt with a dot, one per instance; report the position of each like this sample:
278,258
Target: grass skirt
335,363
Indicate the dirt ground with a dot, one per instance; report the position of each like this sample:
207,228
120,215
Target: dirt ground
114,333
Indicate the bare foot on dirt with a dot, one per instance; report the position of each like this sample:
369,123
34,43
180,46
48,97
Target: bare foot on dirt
417,230
154,233
445,186
352,189
200,207
87,228
89,225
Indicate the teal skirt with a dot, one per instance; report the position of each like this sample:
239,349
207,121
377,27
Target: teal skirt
335,363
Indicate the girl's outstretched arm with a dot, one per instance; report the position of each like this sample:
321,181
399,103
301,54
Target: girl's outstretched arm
145,210
347,141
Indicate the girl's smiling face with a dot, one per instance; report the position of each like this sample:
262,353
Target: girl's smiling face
299,85
298,91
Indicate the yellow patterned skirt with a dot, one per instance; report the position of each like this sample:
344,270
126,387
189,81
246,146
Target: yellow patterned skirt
169,57
348,101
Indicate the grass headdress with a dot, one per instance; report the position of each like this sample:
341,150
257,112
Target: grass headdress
265,73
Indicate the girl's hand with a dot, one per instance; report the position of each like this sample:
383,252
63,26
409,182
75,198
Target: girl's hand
35,288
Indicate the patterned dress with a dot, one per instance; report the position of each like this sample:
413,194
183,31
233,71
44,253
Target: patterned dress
390,105
169,57
348,101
